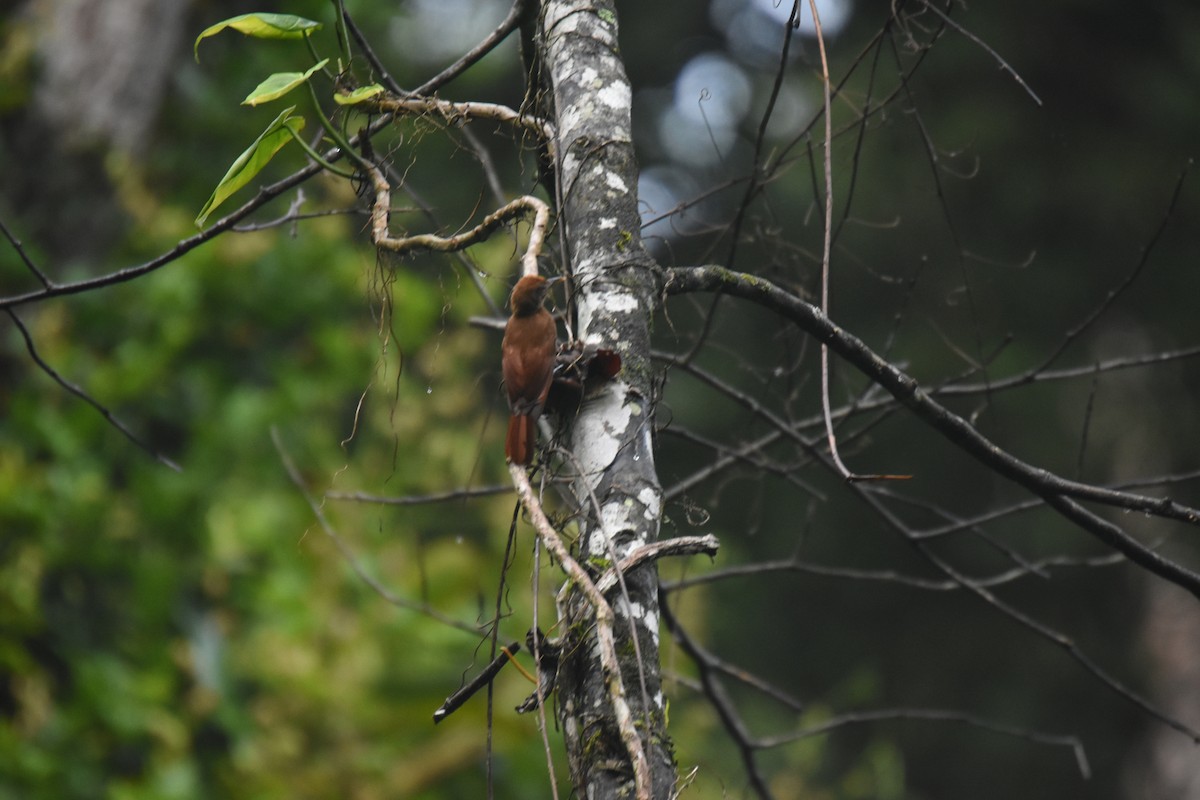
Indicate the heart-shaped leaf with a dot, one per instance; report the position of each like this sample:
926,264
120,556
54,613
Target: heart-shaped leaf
279,84
261,26
252,161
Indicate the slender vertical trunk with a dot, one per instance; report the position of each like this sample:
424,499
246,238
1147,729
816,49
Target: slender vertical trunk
616,486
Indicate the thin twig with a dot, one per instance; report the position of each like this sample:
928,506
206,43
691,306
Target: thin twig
489,43
535,644
937,715
381,72
1004,65
344,549
1055,490
1027,621
827,238
422,499
84,396
1120,289
721,702
756,570
29,262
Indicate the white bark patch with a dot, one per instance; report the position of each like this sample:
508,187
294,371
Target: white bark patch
569,119
598,432
650,499
650,620
590,78
611,301
563,23
640,613
621,302
659,699
647,444
570,164
614,182
606,224
613,517
616,95
636,611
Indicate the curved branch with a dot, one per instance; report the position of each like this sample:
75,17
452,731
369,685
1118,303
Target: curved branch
428,241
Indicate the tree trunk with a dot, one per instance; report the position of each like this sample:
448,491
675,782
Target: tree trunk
616,485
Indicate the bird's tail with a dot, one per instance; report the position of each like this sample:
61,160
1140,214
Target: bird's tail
518,447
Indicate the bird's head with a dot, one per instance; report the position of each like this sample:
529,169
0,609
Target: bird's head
529,293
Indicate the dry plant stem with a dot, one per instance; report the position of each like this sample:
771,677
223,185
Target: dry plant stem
454,113
827,241
543,728
428,241
604,628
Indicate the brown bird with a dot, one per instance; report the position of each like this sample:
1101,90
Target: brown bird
530,342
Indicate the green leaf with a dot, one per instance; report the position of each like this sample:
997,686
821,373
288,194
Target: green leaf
252,161
261,26
279,84
358,95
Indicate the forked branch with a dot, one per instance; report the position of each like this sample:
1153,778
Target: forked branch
1059,493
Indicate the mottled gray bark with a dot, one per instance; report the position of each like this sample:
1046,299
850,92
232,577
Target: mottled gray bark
105,66
616,486
102,69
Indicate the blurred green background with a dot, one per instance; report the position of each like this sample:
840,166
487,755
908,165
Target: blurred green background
197,634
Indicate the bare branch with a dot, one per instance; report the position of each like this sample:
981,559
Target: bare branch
424,499
84,396
936,715
468,59
1036,626
428,241
883,576
25,259
1004,65
1055,490
720,700
679,546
